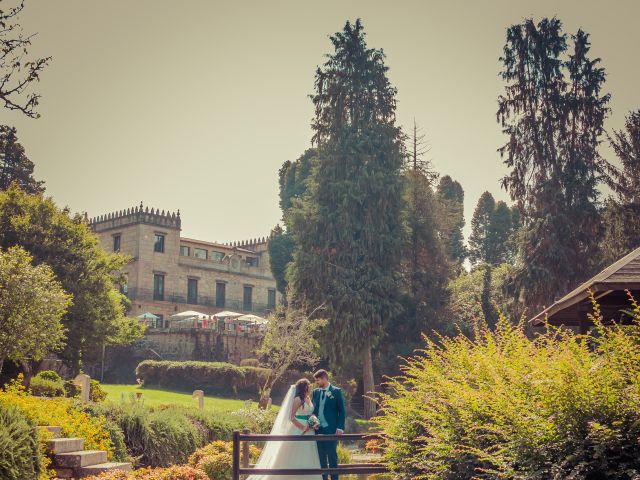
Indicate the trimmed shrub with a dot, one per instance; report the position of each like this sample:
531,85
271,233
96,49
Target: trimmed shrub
19,452
44,387
250,362
562,406
49,375
218,378
175,472
216,459
71,390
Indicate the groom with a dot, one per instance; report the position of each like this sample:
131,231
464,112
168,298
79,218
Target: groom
330,409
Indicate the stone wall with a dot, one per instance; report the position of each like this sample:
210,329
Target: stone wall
198,344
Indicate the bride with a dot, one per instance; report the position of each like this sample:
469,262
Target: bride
291,420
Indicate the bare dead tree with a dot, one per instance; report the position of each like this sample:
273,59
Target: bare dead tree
17,72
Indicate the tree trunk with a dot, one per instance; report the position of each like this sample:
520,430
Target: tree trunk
264,398
368,383
28,373
1,363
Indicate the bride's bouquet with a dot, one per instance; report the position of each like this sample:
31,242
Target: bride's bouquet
313,422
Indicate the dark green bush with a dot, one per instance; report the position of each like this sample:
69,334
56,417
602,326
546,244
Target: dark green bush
217,378
71,390
49,375
44,387
19,459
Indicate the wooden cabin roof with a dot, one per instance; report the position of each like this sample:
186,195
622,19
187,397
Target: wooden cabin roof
621,275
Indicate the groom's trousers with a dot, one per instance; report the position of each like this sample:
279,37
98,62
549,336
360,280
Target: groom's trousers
328,452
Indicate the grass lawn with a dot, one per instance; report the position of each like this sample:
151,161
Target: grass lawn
154,396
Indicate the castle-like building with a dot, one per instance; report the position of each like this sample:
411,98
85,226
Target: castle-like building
170,274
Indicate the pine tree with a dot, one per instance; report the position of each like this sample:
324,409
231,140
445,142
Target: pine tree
451,197
15,166
622,213
425,266
348,229
552,112
481,238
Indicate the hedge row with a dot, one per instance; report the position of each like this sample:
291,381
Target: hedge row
217,378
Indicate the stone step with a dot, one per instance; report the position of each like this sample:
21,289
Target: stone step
79,459
64,473
103,467
56,431
65,445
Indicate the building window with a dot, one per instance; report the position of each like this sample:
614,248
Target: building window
217,256
184,251
200,253
247,299
158,246
192,290
159,320
221,293
271,299
252,261
158,286
116,243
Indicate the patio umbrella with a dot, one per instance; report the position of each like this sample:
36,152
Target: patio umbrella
148,316
227,314
190,314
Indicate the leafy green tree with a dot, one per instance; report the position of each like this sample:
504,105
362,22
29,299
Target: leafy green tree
622,213
552,112
281,245
17,71
15,166
451,197
348,229
32,303
84,269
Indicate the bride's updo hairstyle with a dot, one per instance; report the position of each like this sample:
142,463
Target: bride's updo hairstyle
301,388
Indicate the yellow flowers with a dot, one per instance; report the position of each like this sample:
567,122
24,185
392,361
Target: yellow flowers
59,412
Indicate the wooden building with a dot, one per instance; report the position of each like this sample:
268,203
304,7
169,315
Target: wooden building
610,290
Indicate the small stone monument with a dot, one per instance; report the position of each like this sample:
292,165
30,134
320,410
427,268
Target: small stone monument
84,382
199,394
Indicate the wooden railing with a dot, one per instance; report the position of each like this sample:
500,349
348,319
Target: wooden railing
241,445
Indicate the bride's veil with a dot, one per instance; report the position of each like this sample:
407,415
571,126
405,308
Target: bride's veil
281,426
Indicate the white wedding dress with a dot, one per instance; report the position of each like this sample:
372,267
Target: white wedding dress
289,454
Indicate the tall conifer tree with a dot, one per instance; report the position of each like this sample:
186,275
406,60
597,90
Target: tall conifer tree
552,112
622,215
481,238
15,166
451,197
348,229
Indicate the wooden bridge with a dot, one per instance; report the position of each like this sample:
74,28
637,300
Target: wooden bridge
241,452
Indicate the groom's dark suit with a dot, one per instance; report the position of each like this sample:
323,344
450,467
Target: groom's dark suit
333,413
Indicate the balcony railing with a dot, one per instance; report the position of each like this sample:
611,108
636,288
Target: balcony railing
229,304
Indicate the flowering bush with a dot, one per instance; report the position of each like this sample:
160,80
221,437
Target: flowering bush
503,406
216,459
175,472
60,412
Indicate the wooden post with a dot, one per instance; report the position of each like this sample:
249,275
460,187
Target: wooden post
235,475
245,450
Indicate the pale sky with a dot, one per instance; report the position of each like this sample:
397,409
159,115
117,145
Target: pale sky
195,105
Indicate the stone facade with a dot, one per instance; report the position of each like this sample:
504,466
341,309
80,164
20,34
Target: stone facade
169,274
